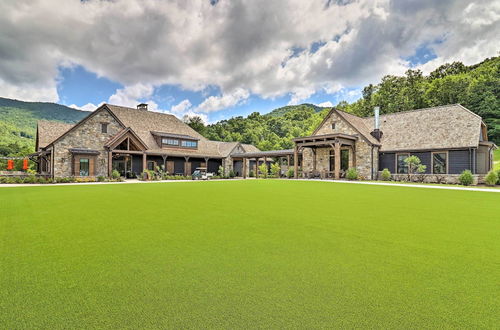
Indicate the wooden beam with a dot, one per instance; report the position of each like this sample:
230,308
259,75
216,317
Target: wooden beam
257,167
296,162
337,160
144,163
110,163
244,168
164,162
186,158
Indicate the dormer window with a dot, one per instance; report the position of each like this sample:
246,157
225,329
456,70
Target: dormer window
189,144
170,142
104,128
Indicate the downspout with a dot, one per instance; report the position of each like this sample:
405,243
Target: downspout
53,161
371,160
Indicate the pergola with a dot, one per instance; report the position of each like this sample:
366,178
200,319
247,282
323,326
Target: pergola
288,153
335,141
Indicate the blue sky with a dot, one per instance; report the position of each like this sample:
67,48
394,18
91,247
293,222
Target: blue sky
224,58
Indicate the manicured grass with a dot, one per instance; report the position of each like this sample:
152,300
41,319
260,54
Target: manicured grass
248,254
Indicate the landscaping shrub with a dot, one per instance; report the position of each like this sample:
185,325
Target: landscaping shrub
115,174
466,178
275,170
251,174
263,170
290,173
232,174
352,174
101,178
498,175
30,179
385,175
221,171
491,178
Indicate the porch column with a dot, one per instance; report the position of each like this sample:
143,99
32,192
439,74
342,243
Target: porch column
164,162
110,163
287,162
265,162
144,163
186,158
206,162
337,160
244,168
295,163
351,158
257,167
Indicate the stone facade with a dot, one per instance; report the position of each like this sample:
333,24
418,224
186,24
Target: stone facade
365,156
86,136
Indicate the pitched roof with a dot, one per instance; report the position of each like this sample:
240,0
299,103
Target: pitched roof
360,125
48,131
146,123
443,127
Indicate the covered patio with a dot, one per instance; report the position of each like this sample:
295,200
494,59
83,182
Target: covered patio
252,160
335,144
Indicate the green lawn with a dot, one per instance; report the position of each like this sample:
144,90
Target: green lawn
248,254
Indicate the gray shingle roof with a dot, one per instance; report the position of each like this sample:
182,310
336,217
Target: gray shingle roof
443,127
48,131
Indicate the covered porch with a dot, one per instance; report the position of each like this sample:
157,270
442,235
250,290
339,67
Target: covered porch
338,153
250,161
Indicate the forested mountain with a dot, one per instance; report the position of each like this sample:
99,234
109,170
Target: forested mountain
18,123
476,87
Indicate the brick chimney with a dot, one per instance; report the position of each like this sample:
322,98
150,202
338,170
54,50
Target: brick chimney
142,106
377,133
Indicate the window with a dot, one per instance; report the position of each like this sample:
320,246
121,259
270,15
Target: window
151,165
401,166
189,144
439,162
104,127
84,167
333,125
170,142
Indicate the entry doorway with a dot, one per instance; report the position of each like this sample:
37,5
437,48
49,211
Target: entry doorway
123,164
344,160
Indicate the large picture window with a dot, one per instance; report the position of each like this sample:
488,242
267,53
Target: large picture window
170,142
84,167
439,160
189,144
401,166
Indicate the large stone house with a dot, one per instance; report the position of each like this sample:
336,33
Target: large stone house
129,140
447,139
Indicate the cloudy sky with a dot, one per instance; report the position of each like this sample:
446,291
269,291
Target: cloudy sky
229,57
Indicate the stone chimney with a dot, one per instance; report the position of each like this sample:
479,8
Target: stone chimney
377,133
142,106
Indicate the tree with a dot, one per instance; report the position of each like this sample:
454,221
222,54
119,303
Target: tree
195,122
275,170
414,166
263,170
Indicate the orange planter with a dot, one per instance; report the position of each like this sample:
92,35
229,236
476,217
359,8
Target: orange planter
10,164
25,164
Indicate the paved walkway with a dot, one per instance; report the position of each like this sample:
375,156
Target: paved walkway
375,183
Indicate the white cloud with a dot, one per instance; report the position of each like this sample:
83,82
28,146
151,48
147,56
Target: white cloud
241,47
215,103
181,107
86,107
326,104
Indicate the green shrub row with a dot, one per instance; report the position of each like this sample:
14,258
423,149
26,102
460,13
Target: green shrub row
32,179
